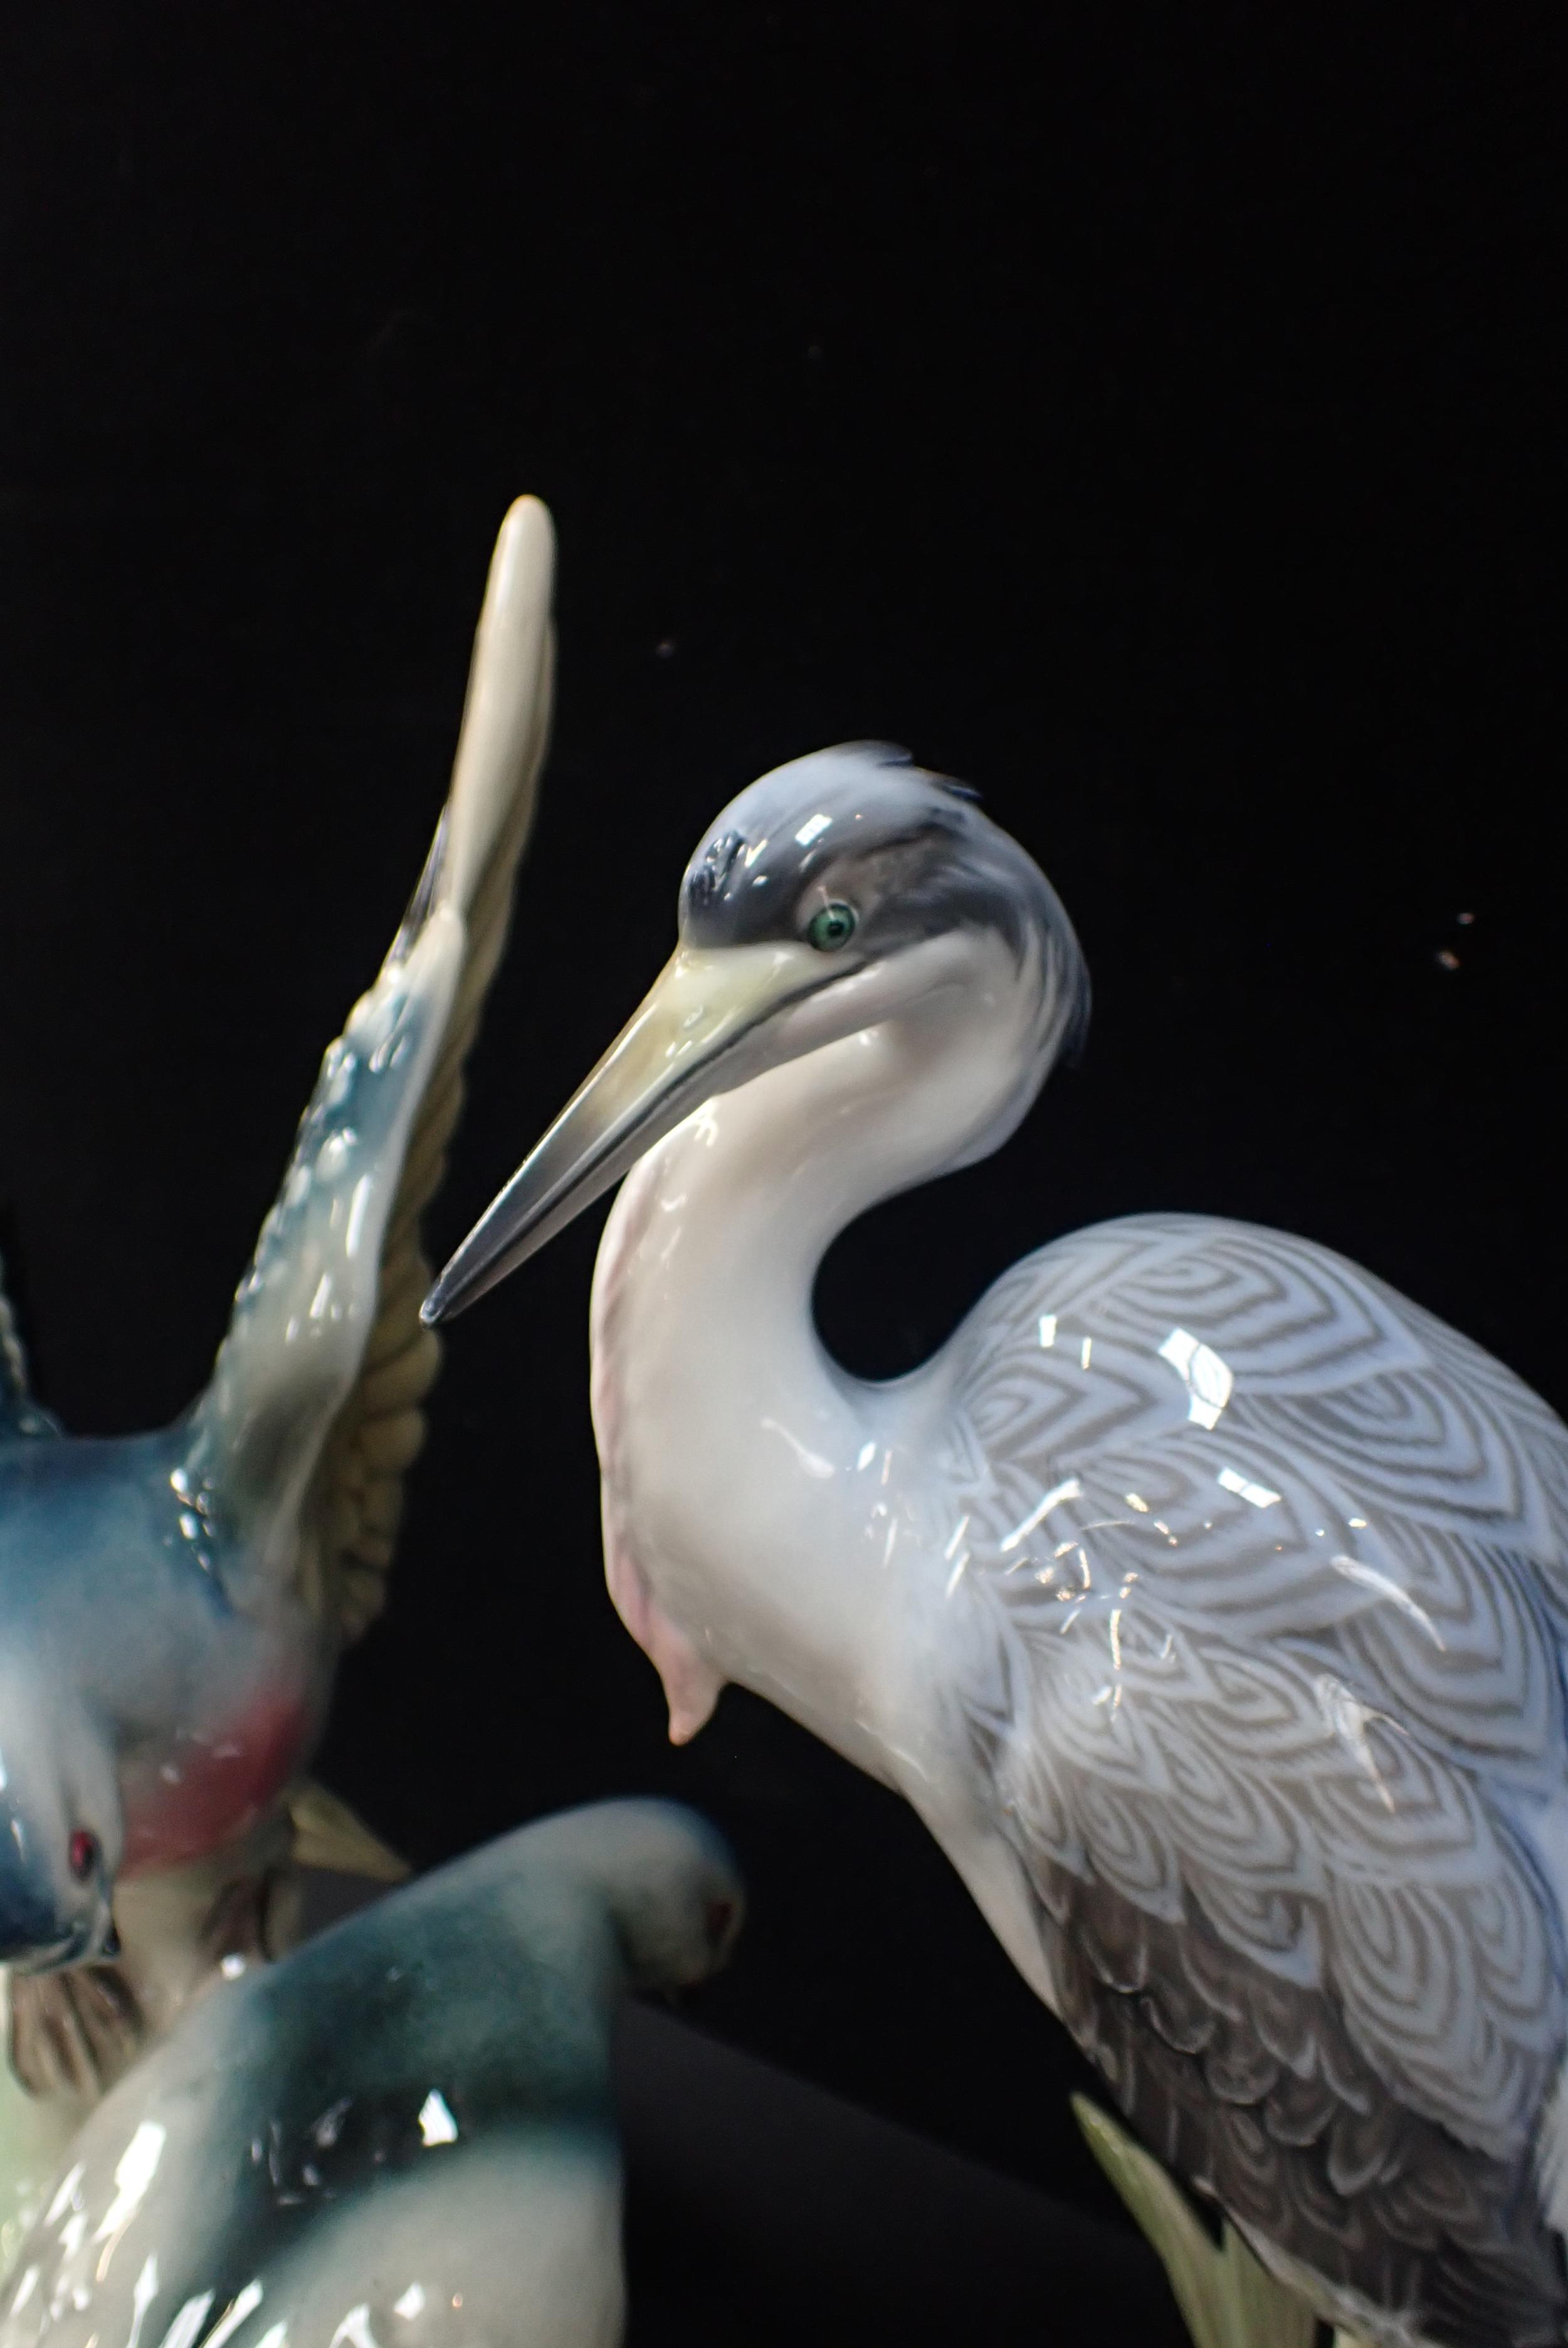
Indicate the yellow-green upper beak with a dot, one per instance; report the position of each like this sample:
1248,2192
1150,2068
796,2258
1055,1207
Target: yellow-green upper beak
696,1033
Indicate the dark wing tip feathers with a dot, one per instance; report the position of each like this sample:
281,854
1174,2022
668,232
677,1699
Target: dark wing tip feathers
1236,2078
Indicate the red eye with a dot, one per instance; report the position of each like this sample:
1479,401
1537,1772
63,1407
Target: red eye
84,1854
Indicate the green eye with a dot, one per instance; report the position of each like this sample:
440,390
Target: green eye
831,927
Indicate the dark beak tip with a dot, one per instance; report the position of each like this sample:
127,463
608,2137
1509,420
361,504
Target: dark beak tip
463,1279
446,1298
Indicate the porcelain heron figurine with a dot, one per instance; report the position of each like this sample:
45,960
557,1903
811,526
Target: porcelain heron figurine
1208,1599
172,1606
403,2132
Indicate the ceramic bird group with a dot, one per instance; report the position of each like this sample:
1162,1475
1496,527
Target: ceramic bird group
1206,1598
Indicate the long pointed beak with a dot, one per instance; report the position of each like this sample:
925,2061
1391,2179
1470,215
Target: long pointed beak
701,1029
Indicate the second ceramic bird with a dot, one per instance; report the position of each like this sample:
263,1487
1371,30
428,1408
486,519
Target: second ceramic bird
403,2132
173,1605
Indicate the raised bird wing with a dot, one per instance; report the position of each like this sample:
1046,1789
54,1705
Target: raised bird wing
1261,1628
315,1410
19,1414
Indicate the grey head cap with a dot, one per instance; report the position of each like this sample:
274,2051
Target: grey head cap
907,853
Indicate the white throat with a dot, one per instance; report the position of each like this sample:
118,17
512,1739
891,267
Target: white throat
768,1517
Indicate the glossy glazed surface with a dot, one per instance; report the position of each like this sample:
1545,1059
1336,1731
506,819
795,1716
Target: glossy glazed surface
402,2132
1205,1596
172,1605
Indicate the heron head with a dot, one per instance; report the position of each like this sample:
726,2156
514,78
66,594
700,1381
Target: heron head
60,1831
833,894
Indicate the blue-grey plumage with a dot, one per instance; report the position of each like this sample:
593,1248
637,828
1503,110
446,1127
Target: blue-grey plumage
404,2130
172,1606
1208,1599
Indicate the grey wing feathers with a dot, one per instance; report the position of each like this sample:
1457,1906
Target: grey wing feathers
1270,1695
316,1408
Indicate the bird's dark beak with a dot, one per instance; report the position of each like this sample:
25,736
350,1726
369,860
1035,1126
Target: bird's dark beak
705,1025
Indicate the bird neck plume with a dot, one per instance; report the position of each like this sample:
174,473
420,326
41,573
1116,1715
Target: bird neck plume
770,1501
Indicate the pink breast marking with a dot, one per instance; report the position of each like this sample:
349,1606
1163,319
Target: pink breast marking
202,1790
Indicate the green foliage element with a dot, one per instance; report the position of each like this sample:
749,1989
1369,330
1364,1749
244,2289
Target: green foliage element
1227,2297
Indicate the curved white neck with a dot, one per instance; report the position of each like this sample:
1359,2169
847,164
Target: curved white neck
773,1505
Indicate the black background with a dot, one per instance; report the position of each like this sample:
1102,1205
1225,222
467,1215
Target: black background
1156,418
